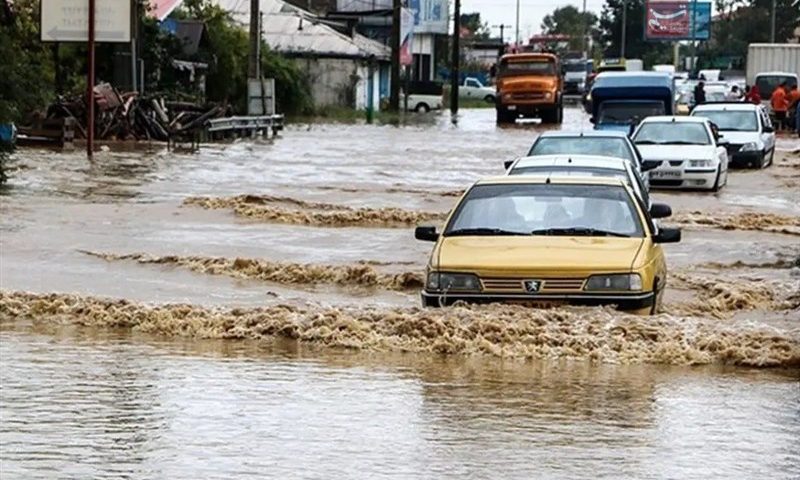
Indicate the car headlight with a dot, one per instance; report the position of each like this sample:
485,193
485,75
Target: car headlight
452,281
628,281
548,95
749,147
701,163
506,96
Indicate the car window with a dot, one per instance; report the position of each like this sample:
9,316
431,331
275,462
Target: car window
624,112
472,83
603,146
526,208
768,83
527,67
672,133
731,121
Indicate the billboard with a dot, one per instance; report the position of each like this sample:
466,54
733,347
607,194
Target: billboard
677,20
430,16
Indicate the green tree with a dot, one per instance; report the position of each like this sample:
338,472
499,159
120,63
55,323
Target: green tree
478,29
650,53
568,20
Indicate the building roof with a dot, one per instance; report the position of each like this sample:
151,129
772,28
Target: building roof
295,32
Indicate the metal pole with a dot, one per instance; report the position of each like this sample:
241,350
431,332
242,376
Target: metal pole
394,92
134,76
516,39
252,71
772,22
624,28
585,42
455,76
694,34
90,85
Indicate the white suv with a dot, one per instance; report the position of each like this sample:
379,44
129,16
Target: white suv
687,150
748,130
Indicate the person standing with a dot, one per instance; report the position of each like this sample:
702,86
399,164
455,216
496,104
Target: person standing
734,95
700,94
780,104
753,95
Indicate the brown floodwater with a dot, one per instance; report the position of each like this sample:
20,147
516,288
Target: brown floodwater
298,349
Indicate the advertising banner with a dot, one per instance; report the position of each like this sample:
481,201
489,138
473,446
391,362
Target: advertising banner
677,20
407,28
430,16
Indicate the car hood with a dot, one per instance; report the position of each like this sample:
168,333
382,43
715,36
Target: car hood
542,255
676,152
740,138
525,83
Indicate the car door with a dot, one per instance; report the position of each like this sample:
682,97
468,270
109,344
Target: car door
767,131
471,86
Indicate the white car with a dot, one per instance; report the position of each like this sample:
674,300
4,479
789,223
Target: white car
422,103
747,128
473,88
686,151
582,166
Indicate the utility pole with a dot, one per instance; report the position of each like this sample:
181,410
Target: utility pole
585,42
516,38
255,41
455,74
772,22
90,84
624,28
394,93
694,35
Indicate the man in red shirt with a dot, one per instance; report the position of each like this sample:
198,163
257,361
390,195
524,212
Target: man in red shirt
780,104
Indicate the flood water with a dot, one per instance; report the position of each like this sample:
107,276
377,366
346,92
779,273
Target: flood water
299,351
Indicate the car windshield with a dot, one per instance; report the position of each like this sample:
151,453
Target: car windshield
768,83
559,171
626,112
527,67
603,146
731,121
672,133
575,67
546,209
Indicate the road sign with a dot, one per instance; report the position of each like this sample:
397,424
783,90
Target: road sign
68,21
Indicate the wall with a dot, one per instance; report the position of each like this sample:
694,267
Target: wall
341,82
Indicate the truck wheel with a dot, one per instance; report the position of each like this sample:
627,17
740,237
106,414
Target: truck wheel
560,113
550,115
505,117
422,108
489,99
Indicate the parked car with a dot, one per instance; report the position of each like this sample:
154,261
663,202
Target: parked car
583,166
473,88
606,143
424,97
686,152
549,241
748,130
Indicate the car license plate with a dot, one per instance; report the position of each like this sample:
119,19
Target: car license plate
665,174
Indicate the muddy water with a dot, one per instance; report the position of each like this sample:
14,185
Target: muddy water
299,259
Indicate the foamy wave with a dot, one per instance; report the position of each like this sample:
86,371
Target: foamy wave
766,222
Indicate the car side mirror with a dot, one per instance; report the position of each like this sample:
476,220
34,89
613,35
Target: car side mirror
769,130
592,120
426,234
668,235
648,165
508,163
660,210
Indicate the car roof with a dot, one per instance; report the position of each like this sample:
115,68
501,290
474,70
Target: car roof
536,179
589,134
677,119
595,161
732,106
776,74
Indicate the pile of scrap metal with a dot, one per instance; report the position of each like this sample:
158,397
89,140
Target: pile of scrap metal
129,116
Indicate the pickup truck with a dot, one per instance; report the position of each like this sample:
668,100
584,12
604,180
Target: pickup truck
473,88
423,97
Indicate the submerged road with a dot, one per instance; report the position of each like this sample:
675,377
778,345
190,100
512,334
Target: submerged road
316,228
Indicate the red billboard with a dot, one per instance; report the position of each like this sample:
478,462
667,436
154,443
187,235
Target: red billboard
677,20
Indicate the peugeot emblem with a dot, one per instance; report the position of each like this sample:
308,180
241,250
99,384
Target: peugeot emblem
532,286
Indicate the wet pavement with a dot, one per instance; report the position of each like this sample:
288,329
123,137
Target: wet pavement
89,401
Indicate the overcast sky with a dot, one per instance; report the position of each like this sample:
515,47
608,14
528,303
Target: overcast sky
531,13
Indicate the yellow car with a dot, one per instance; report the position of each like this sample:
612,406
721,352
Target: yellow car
545,241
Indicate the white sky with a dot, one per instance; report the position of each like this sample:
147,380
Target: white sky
531,13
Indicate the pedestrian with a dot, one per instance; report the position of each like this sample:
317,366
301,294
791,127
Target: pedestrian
734,95
753,95
780,104
700,93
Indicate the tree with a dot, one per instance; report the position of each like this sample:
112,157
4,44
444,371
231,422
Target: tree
570,21
650,53
472,23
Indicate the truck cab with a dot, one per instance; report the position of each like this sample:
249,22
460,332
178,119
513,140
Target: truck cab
529,84
620,100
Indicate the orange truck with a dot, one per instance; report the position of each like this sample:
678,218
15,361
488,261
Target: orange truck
529,84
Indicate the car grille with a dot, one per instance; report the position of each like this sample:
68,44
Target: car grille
666,183
554,284
527,96
676,163
733,149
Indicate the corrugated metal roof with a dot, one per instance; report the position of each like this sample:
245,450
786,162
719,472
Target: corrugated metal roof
291,30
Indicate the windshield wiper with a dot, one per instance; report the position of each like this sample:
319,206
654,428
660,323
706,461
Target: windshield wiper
482,231
682,142
578,232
